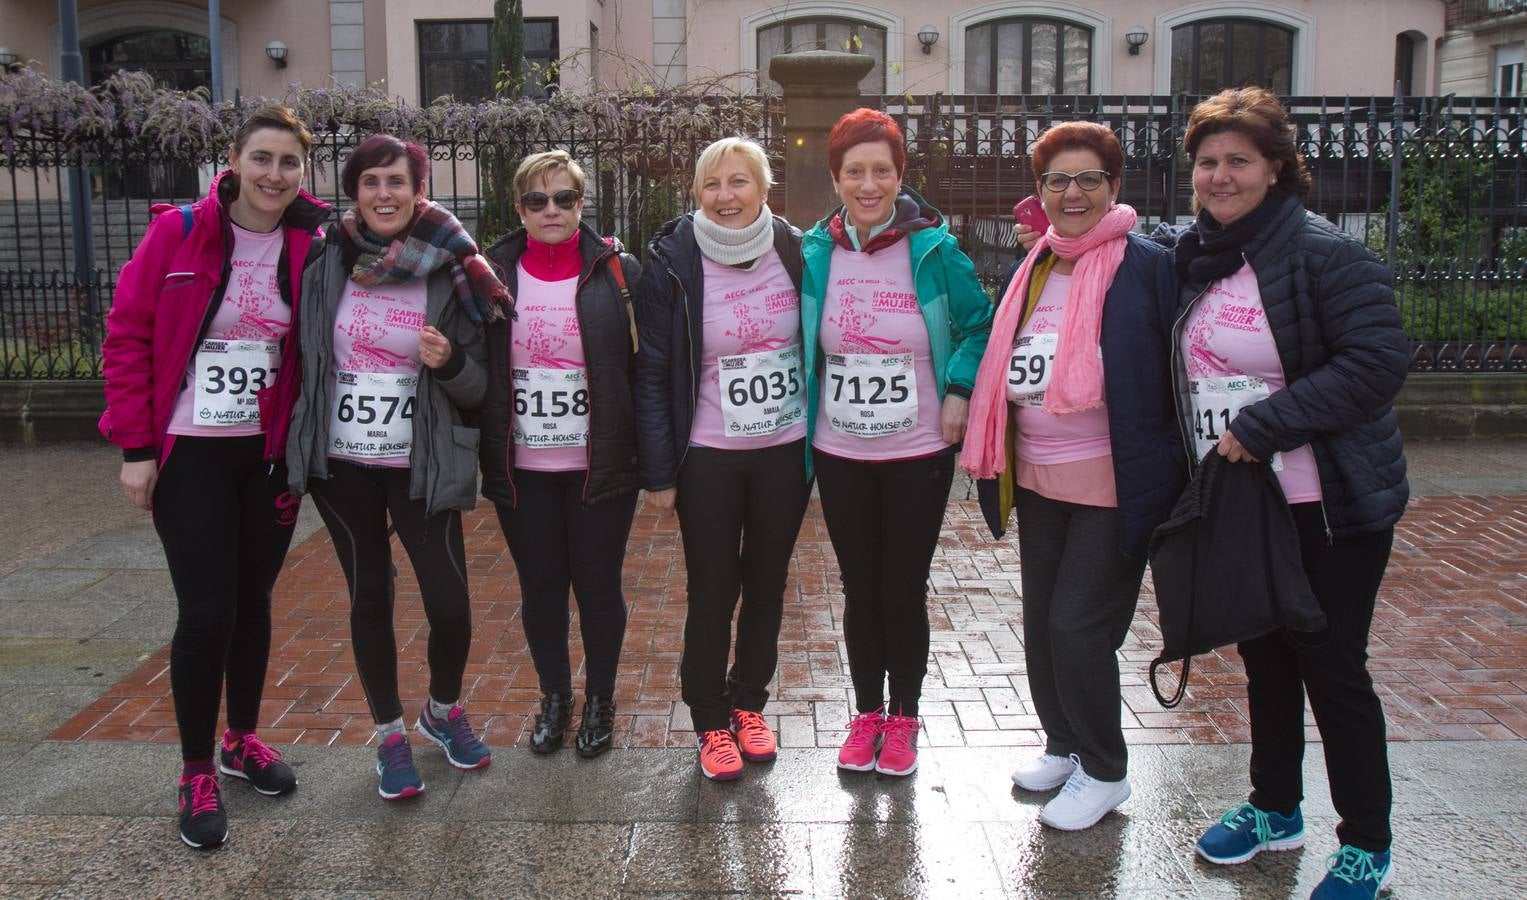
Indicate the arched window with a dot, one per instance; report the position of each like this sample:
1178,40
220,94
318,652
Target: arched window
176,59
1028,56
824,33
1209,55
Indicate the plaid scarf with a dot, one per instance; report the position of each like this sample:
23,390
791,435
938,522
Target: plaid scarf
433,239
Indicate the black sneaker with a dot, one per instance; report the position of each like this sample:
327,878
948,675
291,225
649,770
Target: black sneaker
551,724
203,820
597,730
259,764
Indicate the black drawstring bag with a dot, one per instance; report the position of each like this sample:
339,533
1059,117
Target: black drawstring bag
1227,567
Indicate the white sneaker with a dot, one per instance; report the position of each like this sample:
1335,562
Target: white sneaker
1083,801
1044,772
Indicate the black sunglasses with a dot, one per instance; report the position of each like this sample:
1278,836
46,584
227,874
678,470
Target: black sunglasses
535,201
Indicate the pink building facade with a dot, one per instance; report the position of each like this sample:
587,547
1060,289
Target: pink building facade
421,49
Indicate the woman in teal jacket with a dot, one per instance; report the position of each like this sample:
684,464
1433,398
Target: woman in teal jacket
894,323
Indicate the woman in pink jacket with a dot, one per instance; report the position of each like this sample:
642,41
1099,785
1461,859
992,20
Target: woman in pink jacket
201,375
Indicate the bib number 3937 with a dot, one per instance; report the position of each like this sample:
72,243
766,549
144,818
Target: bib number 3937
1030,367
761,392
870,395
373,414
1216,402
551,407
228,376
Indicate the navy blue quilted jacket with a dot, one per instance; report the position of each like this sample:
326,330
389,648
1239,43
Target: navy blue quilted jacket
1330,304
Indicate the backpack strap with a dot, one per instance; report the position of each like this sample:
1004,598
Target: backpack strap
187,218
619,275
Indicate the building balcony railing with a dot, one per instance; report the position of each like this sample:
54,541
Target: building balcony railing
1484,13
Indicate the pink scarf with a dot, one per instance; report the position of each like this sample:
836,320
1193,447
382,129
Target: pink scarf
1077,384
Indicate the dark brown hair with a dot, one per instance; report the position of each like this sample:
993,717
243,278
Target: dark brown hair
1256,114
274,116
382,150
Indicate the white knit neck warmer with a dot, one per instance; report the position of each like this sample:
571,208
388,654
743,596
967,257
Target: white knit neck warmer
735,246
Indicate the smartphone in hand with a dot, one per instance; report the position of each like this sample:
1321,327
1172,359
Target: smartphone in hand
1031,212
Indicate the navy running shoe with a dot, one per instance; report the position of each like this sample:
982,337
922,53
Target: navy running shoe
395,768
1245,831
453,734
203,820
259,764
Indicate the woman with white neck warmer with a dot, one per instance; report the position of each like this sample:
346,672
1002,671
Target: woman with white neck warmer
721,422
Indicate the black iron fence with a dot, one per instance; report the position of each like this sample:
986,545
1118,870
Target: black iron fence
1436,186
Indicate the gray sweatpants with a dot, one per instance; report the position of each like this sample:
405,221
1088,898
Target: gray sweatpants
1079,595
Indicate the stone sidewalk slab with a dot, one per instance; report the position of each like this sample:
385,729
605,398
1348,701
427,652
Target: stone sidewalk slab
1449,643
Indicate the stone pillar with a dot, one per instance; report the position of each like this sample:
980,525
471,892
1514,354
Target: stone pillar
819,87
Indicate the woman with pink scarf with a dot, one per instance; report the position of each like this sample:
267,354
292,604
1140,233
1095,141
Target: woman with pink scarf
1071,424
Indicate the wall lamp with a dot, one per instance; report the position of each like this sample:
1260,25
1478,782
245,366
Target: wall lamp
927,36
277,53
1137,37
8,59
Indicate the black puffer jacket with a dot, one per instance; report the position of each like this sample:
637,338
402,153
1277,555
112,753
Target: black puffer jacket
1330,304
671,312
604,318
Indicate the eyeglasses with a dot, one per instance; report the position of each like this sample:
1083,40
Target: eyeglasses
1089,180
535,201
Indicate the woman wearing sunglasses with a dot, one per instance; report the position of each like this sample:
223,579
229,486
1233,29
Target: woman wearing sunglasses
393,368
1092,463
559,441
721,403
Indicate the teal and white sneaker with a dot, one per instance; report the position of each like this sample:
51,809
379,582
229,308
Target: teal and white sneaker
1354,874
1245,831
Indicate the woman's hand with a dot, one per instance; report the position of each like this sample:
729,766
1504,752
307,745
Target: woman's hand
952,418
1027,237
434,347
1232,449
138,480
663,499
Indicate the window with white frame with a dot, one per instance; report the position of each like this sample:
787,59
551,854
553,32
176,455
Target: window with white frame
824,33
1209,55
1028,56
1508,71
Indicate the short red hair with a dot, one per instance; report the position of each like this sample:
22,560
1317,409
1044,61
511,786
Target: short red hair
865,126
1100,139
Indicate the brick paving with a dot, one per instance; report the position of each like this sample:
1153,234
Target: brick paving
1449,645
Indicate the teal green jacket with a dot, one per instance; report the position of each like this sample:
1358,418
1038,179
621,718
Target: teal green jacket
955,308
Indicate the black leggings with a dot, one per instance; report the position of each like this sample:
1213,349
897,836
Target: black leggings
225,518
884,520
1332,668
559,544
739,513
355,502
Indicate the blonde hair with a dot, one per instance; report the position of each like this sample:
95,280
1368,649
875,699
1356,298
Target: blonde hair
752,154
540,165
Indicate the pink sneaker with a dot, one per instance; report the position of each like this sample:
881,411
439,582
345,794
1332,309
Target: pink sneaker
858,750
898,753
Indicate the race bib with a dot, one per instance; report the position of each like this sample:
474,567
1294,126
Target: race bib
551,407
1216,402
870,395
373,415
760,392
228,375
1029,369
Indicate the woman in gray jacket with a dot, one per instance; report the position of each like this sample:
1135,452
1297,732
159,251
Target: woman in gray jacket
393,368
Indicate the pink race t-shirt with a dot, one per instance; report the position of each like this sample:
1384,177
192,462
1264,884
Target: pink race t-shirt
376,370
753,321
879,398
241,352
548,377
1232,361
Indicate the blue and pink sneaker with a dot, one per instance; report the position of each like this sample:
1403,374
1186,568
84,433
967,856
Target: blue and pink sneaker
453,734
395,768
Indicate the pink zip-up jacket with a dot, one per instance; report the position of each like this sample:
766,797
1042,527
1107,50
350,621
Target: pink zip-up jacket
163,298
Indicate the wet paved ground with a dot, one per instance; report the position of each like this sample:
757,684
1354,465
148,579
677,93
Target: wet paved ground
86,609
